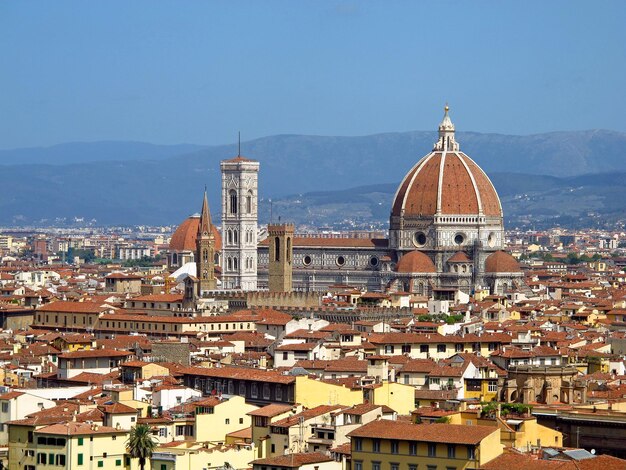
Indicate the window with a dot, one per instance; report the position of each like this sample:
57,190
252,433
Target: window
249,202
163,466
266,391
5,406
458,347
227,421
394,447
233,201
358,444
80,441
493,386
276,249
358,465
389,349
375,445
394,466
432,449
471,453
406,349
434,380
254,391
41,458
412,466
375,465
441,348
80,459
451,451
472,385
100,463
423,348
412,448
285,355
273,448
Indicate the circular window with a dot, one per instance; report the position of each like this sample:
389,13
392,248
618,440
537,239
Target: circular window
341,261
374,261
491,240
306,260
419,238
459,239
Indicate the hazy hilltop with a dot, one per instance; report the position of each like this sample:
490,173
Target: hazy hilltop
84,152
137,183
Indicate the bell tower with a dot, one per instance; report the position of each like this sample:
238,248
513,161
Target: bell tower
281,254
205,249
240,178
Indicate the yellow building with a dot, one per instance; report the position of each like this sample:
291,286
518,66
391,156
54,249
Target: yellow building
394,445
312,392
516,431
191,455
215,418
262,419
68,445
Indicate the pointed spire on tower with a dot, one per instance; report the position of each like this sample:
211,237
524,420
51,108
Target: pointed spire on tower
446,140
205,216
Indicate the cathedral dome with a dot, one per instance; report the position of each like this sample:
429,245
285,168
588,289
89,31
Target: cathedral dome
185,236
415,262
501,262
446,182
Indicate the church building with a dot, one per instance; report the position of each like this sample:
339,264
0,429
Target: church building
446,233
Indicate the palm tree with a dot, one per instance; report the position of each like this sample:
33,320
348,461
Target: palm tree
140,444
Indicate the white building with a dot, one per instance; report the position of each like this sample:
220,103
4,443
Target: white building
239,223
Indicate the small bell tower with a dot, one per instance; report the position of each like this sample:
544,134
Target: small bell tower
205,251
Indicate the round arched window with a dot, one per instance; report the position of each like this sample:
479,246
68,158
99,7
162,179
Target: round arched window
459,238
341,261
374,261
306,260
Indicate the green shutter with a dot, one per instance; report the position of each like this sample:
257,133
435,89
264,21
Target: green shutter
100,463
80,456
80,441
118,463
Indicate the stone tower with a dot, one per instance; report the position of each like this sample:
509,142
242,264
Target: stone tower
280,257
205,250
240,178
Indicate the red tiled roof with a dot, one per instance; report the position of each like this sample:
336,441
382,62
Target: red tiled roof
442,433
293,460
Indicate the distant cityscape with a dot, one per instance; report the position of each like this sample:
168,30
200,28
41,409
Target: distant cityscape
415,331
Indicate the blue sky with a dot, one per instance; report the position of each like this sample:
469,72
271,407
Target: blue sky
198,72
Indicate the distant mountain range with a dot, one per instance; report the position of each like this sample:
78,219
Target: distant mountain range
122,183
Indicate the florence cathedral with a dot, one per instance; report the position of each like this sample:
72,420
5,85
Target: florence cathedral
446,233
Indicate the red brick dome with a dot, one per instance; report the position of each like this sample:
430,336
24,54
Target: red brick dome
415,262
446,183
501,262
186,235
